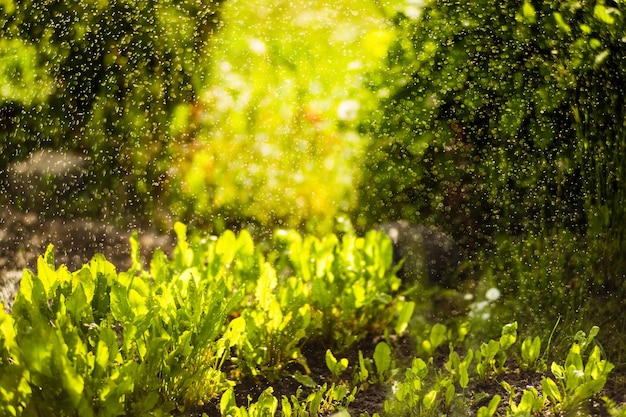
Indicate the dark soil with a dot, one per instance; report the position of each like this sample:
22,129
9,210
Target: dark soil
25,236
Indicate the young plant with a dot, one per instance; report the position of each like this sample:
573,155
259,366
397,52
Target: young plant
383,362
336,367
95,342
459,369
530,351
416,395
531,402
492,356
437,336
491,408
575,382
349,283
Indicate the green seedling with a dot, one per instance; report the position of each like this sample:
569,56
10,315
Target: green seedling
348,283
437,336
421,395
362,371
104,343
265,406
336,367
492,356
530,351
491,408
531,402
324,400
382,360
576,382
459,370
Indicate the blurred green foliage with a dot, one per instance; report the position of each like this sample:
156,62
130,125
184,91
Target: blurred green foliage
504,120
103,78
274,142
511,109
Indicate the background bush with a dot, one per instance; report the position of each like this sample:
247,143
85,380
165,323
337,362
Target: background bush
503,123
104,79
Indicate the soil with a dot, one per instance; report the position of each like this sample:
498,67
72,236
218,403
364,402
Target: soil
25,236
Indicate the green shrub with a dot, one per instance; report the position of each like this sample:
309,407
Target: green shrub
501,118
110,79
503,124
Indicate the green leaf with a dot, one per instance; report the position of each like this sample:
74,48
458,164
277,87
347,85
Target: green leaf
430,399
493,404
315,400
464,369
557,370
227,402
331,361
438,335
529,13
305,380
450,391
382,359
509,335
77,304
491,408
363,371
490,349
551,390
7,332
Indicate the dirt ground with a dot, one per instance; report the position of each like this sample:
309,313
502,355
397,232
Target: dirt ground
25,236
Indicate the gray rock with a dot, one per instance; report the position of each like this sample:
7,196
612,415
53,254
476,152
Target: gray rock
46,181
430,256
9,285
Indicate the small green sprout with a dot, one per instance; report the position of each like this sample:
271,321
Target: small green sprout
576,382
382,360
336,367
531,401
530,351
492,356
459,370
491,408
437,336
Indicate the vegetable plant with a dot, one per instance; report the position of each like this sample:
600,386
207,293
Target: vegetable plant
576,381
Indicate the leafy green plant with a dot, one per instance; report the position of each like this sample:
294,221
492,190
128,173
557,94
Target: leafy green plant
530,351
459,369
490,409
530,403
412,393
336,367
576,381
323,400
383,362
98,342
437,335
348,283
492,355
95,342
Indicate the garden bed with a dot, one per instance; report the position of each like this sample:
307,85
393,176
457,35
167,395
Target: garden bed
347,345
